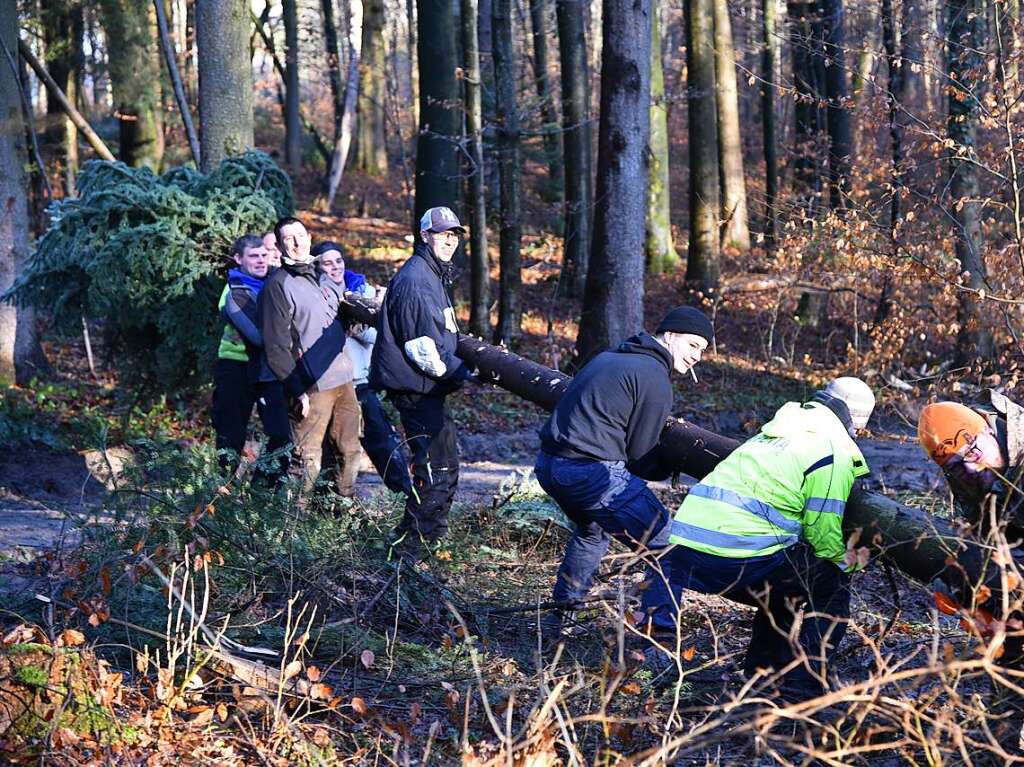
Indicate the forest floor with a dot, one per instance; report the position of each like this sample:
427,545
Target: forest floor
442,662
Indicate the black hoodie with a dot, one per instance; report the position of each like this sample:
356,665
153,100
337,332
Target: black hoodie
616,407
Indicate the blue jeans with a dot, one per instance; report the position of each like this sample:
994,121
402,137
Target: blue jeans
777,585
606,501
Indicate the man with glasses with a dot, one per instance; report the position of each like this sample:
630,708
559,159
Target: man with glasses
415,362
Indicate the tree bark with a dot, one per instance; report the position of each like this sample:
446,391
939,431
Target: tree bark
702,263
576,140
479,263
437,166
613,299
333,63
660,250
371,150
18,341
134,69
509,282
225,79
966,71
541,70
837,113
735,228
292,95
769,68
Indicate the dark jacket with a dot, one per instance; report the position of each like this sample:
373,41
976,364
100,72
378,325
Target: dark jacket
241,340
302,334
416,332
616,407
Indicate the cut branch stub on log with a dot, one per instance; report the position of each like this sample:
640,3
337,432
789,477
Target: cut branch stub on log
922,546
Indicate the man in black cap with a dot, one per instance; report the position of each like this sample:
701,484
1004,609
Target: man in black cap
601,442
415,363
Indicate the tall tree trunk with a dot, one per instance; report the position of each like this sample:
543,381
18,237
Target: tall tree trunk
134,68
292,94
485,39
660,250
371,150
348,109
838,114
510,310
225,79
541,70
735,229
479,263
809,118
613,301
702,262
62,27
769,68
966,71
414,78
437,166
333,63
576,139
189,53
19,345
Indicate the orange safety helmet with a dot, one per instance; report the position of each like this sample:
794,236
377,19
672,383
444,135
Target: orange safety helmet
946,427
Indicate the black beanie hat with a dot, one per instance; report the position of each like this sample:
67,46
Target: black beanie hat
322,247
686,319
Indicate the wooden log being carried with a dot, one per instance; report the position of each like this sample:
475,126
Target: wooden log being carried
922,546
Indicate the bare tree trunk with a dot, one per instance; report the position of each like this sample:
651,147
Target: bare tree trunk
838,114
702,263
735,230
660,250
576,139
225,79
292,94
189,54
62,28
509,307
966,71
437,166
769,67
135,80
541,69
348,114
479,263
18,342
613,301
371,150
333,63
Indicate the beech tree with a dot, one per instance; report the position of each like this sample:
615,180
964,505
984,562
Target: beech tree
225,79
735,230
576,138
371,151
541,66
509,307
63,27
18,344
702,267
292,121
661,252
613,300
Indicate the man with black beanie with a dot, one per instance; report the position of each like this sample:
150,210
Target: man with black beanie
601,442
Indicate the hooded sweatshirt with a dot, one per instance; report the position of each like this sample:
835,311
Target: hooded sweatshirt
616,407
238,305
789,483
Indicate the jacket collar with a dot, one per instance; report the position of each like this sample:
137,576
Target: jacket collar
445,271
645,343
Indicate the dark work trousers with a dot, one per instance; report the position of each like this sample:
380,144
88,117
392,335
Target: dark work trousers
381,443
273,408
234,394
778,585
430,434
606,501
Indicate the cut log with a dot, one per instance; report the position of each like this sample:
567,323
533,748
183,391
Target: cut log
924,547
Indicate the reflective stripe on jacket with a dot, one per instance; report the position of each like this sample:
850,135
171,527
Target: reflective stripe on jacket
789,483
